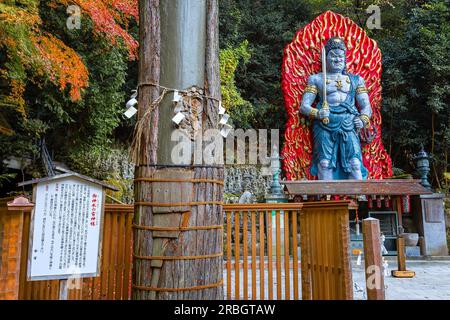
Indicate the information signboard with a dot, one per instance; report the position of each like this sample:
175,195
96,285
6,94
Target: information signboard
66,229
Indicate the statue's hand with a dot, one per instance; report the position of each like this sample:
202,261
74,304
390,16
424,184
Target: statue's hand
358,123
324,113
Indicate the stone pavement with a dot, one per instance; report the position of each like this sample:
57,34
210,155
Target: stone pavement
432,281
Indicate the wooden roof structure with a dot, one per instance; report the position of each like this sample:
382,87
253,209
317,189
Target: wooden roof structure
67,175
386,187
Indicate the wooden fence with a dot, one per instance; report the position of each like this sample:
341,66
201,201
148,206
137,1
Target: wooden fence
262,250
263,241
114,282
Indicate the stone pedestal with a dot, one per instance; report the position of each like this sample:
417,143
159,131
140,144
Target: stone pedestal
429,211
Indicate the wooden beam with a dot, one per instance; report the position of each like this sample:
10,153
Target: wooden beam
373,259
356,187
401,260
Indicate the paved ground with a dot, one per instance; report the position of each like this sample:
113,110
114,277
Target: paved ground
432,281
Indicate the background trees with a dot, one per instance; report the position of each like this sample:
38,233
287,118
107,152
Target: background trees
414,42
67,85
70,86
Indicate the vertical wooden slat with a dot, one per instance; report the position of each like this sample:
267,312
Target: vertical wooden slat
120,257
269,253
316,257
325,226
287,286
228,216
253,255
86,289
320,257
245,254
128,255
373,259
23,286
261,254
278,250
107,236
236,255
305,258
294,253
113,255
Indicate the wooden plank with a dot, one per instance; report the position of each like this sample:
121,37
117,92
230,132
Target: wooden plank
172,192
269,253
128,256
324,226
113,255
278,253
261,254
24,285
373,259
106,252
401,259
228,216
356,187
245,254
294,253
305,258
344,241
120,258
287,285
236,256
254,262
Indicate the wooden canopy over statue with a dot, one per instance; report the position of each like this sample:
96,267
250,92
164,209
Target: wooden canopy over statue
302,58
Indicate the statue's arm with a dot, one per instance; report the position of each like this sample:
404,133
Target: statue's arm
309,96
362,97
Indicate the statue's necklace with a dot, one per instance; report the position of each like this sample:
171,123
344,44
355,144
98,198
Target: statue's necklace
338,82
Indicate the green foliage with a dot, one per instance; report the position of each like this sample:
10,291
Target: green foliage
6,178
111,164
416,89
414,41
239,109
73,129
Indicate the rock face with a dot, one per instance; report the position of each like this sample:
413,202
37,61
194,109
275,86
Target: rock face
234,182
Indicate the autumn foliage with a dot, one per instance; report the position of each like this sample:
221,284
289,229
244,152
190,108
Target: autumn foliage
31,55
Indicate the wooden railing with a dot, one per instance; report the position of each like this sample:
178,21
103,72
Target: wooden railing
114,282
263,239
261,246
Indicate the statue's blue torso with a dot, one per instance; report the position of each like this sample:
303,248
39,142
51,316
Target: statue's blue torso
338,141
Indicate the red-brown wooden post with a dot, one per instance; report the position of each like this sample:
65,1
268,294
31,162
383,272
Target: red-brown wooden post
11,238
373,259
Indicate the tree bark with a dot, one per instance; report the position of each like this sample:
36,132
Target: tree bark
172,277
149,72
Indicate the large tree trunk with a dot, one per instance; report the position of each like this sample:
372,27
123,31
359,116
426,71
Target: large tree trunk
149,72
187,213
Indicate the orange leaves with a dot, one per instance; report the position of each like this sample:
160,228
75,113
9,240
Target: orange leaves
62,64
107,16
33,55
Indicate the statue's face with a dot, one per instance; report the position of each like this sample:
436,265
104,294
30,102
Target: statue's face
336,60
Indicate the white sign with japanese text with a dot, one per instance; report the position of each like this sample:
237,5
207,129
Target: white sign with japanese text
65,229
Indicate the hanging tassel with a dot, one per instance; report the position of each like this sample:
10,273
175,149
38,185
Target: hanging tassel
379,202
387,202
358,260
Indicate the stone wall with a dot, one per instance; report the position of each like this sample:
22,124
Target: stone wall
261,178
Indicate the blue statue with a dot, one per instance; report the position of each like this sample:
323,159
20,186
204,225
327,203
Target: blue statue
337,121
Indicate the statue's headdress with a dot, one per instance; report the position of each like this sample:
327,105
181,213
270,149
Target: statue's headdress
335,43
